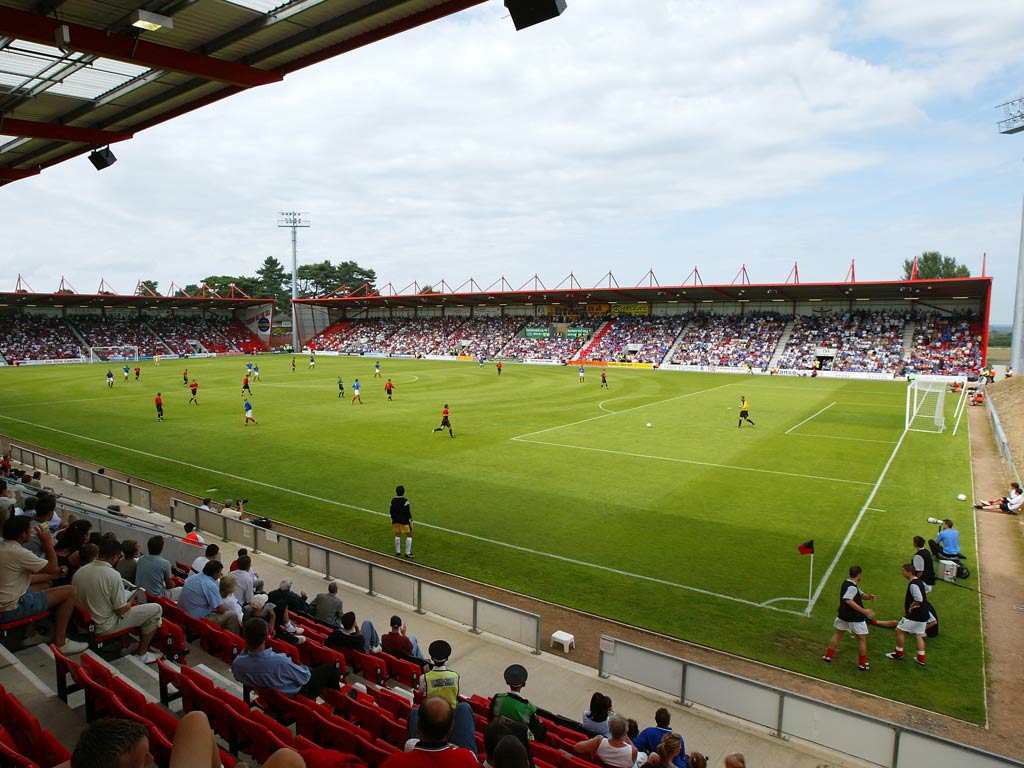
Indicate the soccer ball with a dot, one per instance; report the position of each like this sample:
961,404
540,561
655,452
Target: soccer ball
962,497
648,423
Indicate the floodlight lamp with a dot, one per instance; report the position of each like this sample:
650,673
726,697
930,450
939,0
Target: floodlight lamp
151,21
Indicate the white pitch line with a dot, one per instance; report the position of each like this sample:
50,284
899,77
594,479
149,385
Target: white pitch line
853,528
694,461
810,417
616,413
473,536
840,437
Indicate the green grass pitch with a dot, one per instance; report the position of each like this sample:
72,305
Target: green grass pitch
559,489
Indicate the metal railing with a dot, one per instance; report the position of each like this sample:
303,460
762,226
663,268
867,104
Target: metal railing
132,494
786,714
423,595
1002,443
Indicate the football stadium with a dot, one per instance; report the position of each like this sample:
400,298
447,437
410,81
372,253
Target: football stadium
704,519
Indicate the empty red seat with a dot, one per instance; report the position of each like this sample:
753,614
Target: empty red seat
63,666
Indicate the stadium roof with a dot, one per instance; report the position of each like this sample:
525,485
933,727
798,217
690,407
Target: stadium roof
24,297
969,289
77,75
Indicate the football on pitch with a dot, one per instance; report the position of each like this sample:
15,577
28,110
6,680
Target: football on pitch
962,497
648,423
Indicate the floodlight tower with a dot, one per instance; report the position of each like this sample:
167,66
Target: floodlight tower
293,220
1013,122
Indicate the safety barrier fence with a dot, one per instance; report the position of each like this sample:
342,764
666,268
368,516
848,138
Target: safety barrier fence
1002,444
786,714
96,482
479,613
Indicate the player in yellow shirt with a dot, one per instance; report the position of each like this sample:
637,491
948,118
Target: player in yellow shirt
744,412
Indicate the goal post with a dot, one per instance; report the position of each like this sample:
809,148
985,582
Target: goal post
926,402
109,354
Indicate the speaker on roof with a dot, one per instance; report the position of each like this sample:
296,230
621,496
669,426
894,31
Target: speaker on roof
102,158
526,13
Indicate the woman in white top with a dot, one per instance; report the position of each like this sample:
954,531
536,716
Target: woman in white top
615,751
227,591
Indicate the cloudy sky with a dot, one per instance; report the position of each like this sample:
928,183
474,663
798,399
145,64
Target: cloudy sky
622,137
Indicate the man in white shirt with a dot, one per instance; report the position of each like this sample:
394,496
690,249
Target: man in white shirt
212,553
101,592
18,567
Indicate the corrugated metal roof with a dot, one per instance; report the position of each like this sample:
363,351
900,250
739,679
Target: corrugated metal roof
110,76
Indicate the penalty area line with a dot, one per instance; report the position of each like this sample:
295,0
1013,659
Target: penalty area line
483,539
810,417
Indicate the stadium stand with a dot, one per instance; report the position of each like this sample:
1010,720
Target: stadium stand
869,342
732,341
35,337
946,346
636,339
101,331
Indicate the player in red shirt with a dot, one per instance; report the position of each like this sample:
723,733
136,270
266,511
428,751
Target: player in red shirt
498,366
445,423
245,385
195,388
138,372
159,403
389,388
184,375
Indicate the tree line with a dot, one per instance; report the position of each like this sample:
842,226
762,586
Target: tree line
272,280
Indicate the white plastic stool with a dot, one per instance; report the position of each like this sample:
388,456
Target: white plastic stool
567,640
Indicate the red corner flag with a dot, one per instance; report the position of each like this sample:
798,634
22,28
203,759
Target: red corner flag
807,548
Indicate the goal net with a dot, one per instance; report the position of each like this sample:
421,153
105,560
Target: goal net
926,402
106,354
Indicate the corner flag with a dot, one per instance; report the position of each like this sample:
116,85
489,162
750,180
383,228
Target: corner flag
807,548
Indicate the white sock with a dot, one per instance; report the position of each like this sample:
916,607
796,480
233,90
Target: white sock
398,545
408,545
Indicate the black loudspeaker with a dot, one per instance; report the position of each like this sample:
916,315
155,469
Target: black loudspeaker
102,158
526,13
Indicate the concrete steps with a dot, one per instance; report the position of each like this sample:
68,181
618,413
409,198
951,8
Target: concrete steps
787,331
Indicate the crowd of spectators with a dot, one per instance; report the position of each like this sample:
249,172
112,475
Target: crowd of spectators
213,334
486,337
945,346
545,348
637,339
106,331
28,337
862,341
730,341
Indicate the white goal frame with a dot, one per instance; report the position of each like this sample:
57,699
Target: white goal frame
926,403
122,352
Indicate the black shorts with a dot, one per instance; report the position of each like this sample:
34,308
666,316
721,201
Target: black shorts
744,414
445,422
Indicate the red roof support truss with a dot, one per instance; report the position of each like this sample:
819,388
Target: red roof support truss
131,49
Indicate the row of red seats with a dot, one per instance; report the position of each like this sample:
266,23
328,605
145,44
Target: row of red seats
107,695
24,743
169,638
